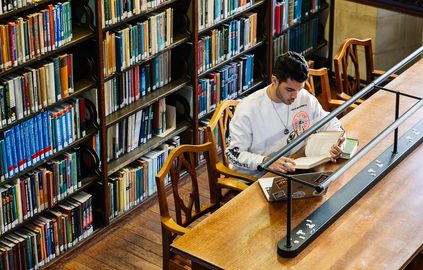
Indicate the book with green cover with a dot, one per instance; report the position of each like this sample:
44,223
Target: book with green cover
350,148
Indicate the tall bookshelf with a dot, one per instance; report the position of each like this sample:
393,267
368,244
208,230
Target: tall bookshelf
174,51
300,26
47,132
241,67
202,58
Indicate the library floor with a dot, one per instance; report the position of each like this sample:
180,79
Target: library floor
135,242
132,243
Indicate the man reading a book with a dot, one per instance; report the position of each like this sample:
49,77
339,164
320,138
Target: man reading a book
272,117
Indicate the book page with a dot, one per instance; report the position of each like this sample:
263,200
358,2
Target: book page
310,162
320,143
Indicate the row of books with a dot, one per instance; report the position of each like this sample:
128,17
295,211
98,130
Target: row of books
127,46
7,5
48,235
137,82
289,12
114,11
136,182
34,140
137,129
40,189
301,38
34,88
226,83
38,33
212,11
227,41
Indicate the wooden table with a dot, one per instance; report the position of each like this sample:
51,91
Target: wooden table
383,230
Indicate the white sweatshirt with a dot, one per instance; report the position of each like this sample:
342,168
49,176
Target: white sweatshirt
257,131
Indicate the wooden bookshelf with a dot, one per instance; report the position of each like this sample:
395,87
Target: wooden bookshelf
324,13
26,183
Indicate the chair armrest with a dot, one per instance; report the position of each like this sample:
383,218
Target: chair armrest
222,169
378,72
172,226
231,184
344,96
339,102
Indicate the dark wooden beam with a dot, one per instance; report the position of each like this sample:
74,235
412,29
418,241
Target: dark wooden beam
414,8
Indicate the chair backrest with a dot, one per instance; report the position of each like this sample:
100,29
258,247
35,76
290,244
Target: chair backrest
322,76
347,68
187,205
219,123
309,86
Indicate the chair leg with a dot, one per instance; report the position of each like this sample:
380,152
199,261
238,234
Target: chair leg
166,246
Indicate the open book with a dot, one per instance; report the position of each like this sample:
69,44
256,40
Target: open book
317,149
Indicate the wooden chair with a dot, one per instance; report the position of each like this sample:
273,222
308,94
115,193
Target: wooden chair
326,100
347,69
216,133
187,207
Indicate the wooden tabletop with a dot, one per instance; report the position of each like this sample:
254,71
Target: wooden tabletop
383,230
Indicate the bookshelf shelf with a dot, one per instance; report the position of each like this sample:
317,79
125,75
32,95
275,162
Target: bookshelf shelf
96,233
312,45
257,84
320,45
22,9
178,40
247,9
88,135
258,44
156,141
146,101
81,87
86,182
138,16
144,204
79,35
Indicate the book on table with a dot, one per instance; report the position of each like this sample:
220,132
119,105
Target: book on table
317,149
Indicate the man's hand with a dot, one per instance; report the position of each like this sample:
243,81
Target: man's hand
336,149
283,165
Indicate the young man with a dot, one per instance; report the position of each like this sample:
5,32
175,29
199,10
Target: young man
272,117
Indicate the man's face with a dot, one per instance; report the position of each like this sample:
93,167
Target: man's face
287,91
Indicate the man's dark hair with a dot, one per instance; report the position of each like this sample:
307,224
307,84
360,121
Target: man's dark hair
291,65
